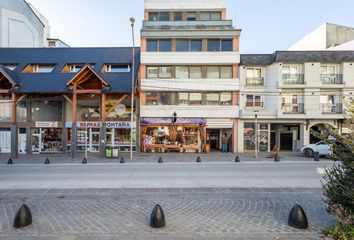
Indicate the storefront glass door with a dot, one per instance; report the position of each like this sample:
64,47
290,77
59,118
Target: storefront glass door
36,141
94,139
5,141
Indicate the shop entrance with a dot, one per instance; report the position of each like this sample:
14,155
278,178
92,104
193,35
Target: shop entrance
5,140
47,140
213,139
286,141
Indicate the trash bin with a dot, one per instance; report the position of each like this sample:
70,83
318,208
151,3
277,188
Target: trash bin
109,151
115,152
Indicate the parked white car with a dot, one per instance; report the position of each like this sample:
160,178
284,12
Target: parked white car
321,147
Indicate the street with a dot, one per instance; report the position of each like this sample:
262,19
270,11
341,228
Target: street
165,175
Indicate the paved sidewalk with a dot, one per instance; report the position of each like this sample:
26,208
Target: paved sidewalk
199,214
153,157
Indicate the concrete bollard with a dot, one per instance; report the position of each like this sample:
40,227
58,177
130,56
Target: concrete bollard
47,161
9,162
160,160
276,158
237,159
157,218
297,217
23,217
122,159
199,159
84,161
316,156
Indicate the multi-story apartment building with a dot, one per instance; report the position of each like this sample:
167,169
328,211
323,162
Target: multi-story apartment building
189,76
58,100
290,94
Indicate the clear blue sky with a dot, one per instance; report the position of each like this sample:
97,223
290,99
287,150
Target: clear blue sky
267,25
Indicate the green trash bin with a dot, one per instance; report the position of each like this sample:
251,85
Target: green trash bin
109,151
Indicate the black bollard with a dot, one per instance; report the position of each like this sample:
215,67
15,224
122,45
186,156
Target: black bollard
121,159
276,158
23,217
237,159
84,161
157,219
47,161
160,160
9,162
316,156
199,159
297,217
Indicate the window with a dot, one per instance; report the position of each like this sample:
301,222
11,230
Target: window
152,45
212,98
254,77
164,16
210,16
5,110
152,72
158,98
182,72
22,112
215,16
205,16
10,66
183,98
75,68
117,68
254,101
226,45
153,16
195,98
46,111
195,72
213,72
182,45
177,16
225,98
213,45
191,16
41,68
196,45
226,72
165,45
165,72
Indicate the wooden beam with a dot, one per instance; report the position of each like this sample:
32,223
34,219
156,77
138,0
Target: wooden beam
84,91
74,116
68,99
78,77
84,78
116,104
14,113
103,106
4,90
21,98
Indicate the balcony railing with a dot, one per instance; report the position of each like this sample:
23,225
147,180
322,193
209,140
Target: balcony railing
331,108
293,108
258,81
332,78
293,79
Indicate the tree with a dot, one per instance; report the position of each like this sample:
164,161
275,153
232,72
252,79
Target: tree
338,181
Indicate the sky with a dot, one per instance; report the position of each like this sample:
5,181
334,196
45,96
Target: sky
267,25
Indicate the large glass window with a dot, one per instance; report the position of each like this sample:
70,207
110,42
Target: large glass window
165,45
212,98
153,16
249,141
196,45
183,98
191,16
210,16
226,45
182,45
159,72
205,16
21,112
254,101
225,98
165,72
152,45
164,16
213,45
226,72
182,72
46,111
152,72
5,110
213,72
195,99
195,72
177,16
215,16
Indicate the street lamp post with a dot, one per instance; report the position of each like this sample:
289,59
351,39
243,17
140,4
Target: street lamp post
132,22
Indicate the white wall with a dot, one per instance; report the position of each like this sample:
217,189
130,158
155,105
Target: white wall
184,4
315,40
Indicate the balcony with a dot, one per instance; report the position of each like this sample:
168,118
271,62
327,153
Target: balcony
292,108
293,79
259,81
331,108
332,78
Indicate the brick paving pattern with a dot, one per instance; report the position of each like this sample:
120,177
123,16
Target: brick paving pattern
210,213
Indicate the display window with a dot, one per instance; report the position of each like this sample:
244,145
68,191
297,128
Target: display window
47,140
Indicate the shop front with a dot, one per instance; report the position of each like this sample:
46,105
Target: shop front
187,135
88,135
47,137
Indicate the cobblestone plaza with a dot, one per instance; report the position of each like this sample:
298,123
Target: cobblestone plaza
191,213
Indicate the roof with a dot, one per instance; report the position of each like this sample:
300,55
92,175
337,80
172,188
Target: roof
10,75
297,57
55,82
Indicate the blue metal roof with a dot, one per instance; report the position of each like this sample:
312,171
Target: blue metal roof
55,82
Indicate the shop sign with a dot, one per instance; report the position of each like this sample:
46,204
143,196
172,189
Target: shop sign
98,124
146,121
47,124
